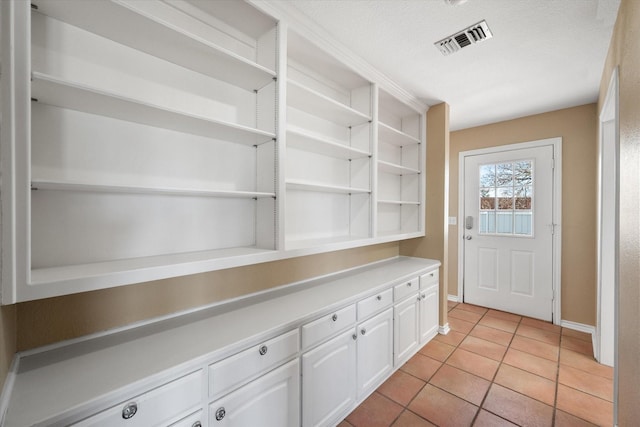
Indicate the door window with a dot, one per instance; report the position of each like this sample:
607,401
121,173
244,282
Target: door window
506,198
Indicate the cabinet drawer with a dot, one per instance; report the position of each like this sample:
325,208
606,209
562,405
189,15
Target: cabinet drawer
231,372
160,406
193,420
429,279
374,303
321,329
405,289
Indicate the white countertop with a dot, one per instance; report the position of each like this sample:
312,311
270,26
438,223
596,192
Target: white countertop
83,374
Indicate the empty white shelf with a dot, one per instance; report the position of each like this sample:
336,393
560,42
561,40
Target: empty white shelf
398,202
394,136
308,141
308,100
72,186
153,35
294,244
395,169
325,188
51,90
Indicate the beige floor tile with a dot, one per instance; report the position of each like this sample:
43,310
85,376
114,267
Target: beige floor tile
498,323
518,408
530,363
584,381
401,387
421,366
483,348
474,363
539,334
487,419
437,350
409,419
491,334
535,347
585,363
460,383
375,411
584,406
442,408
527,383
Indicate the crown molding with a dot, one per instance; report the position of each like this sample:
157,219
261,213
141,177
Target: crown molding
285,11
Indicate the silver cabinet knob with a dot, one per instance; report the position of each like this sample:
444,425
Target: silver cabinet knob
424,296
220,413
418,299
334,317
363,331
409,284
129,410
196,424
263,350
379,297
354,336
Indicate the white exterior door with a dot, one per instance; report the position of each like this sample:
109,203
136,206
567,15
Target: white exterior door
508,230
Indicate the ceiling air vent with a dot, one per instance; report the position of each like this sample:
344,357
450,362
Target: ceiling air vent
474,34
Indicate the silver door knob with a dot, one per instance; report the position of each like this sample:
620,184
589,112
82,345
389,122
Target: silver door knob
468,237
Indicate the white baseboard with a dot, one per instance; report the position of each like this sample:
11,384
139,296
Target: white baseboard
444,329
581,327
453,298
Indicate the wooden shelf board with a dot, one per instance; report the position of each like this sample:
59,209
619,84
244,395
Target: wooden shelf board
315,103
51,90
302,185
304,140
74,186
394,136
163,40
395,169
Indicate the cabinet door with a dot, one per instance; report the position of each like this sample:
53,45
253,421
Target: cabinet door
375,351
329,381
270,401
406,332
428,314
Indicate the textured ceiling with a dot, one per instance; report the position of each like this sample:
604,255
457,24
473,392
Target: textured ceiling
544,54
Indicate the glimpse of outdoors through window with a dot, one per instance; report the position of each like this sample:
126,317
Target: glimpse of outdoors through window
506,194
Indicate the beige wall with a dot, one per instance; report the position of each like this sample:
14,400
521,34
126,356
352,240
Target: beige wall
50,320
577,127
434,244
624,52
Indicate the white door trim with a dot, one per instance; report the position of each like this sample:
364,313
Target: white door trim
605,351
556,143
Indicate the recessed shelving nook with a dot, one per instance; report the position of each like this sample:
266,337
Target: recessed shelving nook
151,139
400,162
329,149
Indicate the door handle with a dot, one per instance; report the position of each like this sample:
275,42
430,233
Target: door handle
467,237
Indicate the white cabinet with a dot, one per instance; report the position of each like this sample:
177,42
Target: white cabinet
406,328
375,352
272,400
429,305
161,406
329,380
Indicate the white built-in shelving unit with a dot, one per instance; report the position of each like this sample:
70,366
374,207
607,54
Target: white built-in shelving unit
143,140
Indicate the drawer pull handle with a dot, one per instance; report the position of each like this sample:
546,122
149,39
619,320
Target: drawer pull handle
363,331
130,410
263,350
379,297
197,424
220,413
334,317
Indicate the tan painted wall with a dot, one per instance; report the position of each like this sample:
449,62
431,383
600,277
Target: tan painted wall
624,52
50,320
434,244
577,127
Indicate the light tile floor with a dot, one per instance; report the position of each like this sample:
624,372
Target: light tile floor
494,369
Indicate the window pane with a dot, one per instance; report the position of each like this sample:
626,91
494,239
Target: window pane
487,203
487,222
522,173
504,222
504,174
487,176
523,223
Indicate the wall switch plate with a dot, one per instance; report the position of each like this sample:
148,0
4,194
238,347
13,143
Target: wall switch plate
453,220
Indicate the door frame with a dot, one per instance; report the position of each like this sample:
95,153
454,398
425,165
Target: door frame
608,113
556,143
